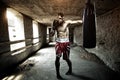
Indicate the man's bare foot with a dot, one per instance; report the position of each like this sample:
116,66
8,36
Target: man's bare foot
59,77
69,73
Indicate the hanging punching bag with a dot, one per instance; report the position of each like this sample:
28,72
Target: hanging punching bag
89,26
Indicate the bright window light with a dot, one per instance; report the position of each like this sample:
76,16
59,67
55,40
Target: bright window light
15,28
14,77
35,32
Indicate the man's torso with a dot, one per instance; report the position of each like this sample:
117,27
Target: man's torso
62,33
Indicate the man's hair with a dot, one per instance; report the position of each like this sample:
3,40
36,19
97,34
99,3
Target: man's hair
61,14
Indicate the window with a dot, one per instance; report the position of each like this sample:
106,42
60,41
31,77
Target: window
15,28
35,32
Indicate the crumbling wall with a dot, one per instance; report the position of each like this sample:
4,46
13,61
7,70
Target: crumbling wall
108,38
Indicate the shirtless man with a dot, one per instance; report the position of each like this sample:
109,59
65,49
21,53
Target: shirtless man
62,42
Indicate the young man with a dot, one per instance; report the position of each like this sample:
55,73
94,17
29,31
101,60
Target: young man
62,42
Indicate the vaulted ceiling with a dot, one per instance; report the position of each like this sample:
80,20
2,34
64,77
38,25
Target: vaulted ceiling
45,11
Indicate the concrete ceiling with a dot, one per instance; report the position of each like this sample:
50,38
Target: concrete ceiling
45,11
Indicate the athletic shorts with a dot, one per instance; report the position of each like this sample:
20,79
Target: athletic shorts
62,48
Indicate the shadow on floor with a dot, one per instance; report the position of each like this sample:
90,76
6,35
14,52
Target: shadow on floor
81,77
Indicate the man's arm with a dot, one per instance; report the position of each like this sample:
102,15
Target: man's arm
74,22
54,25
52,32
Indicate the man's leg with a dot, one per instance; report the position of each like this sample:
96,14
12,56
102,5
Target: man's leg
66,58
70,66
66,55
57,65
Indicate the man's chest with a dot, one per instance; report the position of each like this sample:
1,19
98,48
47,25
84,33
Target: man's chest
62,28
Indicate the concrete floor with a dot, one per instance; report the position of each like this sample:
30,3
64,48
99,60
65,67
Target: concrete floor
41,67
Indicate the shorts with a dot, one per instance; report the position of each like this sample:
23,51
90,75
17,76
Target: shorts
64,48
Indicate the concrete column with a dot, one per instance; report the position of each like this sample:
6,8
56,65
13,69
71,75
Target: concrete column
4,37
43,34
28,30
71,35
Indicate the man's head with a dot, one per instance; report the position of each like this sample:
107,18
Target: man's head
61,17
61,14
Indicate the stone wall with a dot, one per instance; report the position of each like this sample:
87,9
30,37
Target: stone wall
78,35
108,31
108,38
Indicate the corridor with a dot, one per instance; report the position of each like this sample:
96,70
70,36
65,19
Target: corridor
29,28
41,67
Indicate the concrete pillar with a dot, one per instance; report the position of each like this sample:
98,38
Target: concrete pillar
28,30
43,34
4,37
71,35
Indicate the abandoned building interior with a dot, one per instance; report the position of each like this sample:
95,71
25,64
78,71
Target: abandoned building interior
27,50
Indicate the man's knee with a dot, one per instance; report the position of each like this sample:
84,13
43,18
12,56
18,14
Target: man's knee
57,59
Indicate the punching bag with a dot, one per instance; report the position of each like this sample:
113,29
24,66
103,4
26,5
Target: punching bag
89,26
